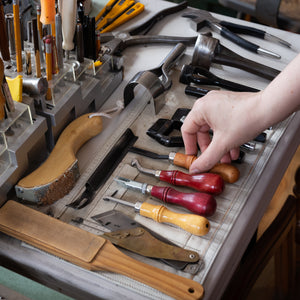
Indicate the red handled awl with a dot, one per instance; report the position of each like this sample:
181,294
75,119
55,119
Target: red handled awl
200,203
205,182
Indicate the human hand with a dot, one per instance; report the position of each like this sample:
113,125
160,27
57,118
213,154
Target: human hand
234,120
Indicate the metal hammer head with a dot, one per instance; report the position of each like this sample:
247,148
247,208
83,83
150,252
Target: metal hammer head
200,18
204,51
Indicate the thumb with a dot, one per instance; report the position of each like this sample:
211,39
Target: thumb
209,158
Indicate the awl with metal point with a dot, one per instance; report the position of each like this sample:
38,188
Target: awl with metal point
68,11
228,172
202,204
204,182
194,224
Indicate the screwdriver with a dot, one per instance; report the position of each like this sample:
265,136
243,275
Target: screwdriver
68,11
202,204
205,182
228,172
194,224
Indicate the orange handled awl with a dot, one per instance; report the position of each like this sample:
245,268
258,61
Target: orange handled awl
228,172
194,224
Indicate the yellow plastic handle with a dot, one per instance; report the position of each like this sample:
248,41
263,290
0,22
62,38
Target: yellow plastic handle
128,15
194,224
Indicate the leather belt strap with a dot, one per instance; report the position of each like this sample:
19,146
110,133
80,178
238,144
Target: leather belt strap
267,11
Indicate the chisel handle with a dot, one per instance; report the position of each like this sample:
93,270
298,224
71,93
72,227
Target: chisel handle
194,224
48,12
228,172
205,182
3,33
202,204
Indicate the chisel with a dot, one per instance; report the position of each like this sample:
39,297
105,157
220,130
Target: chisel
194,224
202,204
205,182
228,172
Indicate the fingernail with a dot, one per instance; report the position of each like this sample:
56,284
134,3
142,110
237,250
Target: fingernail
194,171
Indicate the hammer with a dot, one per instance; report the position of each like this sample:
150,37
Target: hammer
209,50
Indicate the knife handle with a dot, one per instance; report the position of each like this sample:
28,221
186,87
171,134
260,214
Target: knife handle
205,182
202,204
228,172
194,224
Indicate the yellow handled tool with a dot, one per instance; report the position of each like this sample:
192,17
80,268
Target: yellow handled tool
106,9
118,9
194,224
16,11
128,15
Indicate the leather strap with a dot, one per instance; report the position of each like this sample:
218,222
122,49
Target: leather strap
267,11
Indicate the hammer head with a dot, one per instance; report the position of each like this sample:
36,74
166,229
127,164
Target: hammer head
200,18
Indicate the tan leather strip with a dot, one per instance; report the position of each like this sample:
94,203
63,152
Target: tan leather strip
35,227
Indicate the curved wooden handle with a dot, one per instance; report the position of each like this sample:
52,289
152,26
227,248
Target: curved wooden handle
62,156
2,98
228,172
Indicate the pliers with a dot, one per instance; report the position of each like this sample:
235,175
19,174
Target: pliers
229,30
115,43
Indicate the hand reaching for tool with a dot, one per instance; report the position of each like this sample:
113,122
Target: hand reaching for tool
236,118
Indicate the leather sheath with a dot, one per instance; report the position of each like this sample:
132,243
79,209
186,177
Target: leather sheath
89,250
142,242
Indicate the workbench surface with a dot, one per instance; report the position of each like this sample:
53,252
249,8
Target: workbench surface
240,206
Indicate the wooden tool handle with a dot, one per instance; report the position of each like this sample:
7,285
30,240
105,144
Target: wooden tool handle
47,11
16,12
111,259
62,156
228,172
194,224
3,40
2,98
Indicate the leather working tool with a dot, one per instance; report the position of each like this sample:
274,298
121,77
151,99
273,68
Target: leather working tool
191,223
88,250
151,79
68,10
202,18
59,40
36,48
209,50
4,48
47,184
17,34
201,76
115,220
2,98
105,169
48,57
133,11
202,204
205,182
228,172
114,43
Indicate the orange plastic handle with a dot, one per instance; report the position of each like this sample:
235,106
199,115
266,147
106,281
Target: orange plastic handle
47,11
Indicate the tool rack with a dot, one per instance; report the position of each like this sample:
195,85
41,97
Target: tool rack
240,207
